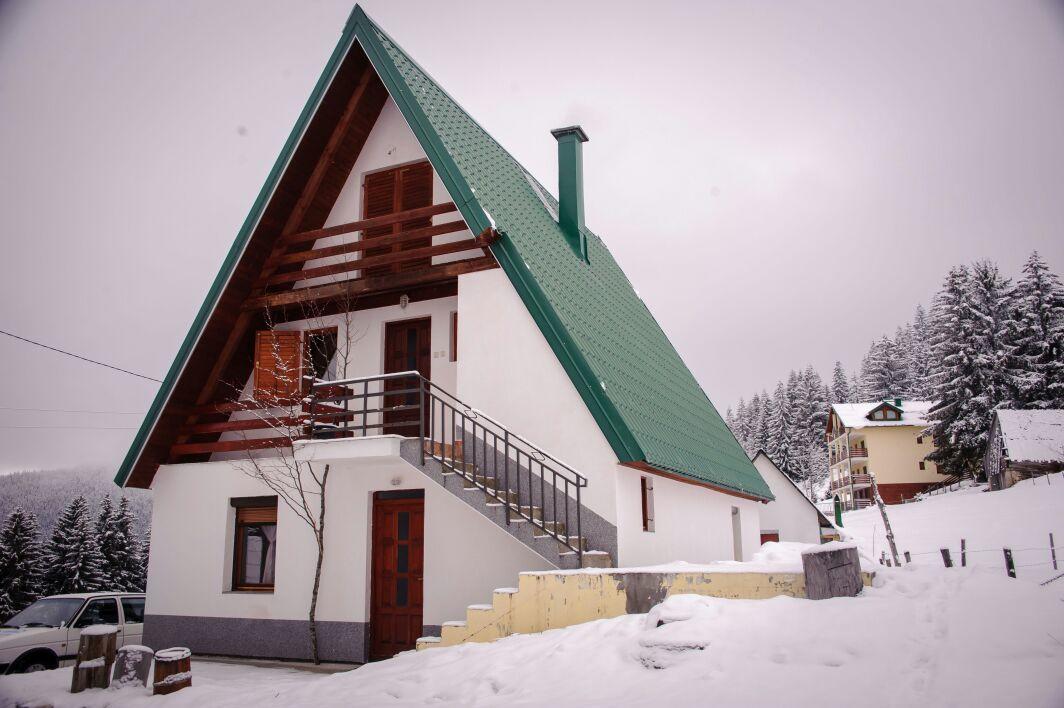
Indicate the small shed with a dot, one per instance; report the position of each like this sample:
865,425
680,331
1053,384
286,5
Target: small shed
791,516
1023,444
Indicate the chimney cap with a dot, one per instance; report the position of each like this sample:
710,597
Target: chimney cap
576,130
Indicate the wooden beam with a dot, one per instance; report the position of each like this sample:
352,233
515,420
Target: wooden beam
201,448
385,220
230,426
412,254
361,286
358,246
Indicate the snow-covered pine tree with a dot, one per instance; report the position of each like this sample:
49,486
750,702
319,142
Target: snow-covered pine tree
903,352
883,374
779,428
956,417
142,562
993,325
840,385
856,389
108,544
125,556
1037,343
920,364
761,422
20,562
72,557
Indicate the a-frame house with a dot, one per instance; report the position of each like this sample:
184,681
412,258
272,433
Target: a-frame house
409,306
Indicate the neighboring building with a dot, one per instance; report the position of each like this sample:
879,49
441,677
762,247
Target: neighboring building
1023,444
394,235
791,516
884,438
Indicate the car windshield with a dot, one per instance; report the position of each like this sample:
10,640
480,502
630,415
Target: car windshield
49,612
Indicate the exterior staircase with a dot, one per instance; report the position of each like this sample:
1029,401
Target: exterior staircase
527,492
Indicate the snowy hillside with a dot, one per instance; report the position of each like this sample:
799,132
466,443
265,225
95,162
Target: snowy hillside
1020,518
46,494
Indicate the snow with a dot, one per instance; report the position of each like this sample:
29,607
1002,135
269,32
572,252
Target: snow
853,415
99,629
1020,517
1033,436
921,636
96,663
174,654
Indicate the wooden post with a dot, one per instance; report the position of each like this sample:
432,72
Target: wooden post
886,521
964,554
946,560
1010,566
831,573
882,557
173,670
96,655
1053,552
132,665
908,558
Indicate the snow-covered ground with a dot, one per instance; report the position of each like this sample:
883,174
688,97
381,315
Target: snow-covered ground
923,635
1020,518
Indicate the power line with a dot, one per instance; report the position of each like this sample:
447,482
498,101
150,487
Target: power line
62,427
78,356
69,410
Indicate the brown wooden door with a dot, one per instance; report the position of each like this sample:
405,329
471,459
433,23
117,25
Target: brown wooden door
390,191
396,591
407,347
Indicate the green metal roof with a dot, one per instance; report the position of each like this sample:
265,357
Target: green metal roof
646,401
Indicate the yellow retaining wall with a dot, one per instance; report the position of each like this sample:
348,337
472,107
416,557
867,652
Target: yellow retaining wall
551,600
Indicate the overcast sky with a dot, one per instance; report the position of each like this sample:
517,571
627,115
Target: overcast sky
782,182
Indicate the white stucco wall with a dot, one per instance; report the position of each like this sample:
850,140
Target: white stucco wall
691,523
507,369
190,569
791,514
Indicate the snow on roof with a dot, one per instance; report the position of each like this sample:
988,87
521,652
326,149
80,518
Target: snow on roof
855,415
1033,436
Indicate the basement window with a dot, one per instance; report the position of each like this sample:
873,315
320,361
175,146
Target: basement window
255,543
646,492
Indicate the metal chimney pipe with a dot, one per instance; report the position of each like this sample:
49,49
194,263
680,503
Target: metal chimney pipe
571,186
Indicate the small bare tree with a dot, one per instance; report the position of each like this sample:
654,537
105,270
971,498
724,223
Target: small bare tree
277,404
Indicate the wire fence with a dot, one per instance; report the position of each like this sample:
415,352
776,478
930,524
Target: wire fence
1008,555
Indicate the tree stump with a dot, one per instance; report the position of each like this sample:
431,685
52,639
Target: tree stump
96,654
132,666
173,670
831,570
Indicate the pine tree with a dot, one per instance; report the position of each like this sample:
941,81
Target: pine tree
780,430
124,560
840,385
1037,340
883,374
761,422
920,363
957,416
20,562
993,326
108,543
856,389
142,563
72,557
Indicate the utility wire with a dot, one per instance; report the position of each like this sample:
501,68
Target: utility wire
62,427
69,410
83,358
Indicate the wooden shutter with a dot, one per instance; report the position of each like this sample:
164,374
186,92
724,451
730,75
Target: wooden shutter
391,191
256,515
278,365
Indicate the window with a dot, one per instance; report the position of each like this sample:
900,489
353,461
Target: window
255,545
101,611
922,466
319,352
454,336
646,491
133,609
919,439
278,365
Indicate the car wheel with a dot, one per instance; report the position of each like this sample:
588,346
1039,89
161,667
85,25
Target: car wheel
37,661
35,666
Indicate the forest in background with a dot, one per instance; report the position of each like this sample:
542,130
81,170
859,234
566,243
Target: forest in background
988,342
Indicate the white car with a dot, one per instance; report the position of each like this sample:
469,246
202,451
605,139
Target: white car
46,634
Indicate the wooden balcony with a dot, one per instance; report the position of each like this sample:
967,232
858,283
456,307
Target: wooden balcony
405,259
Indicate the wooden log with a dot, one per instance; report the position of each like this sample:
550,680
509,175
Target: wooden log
908,558
96,655
173,670
964,553
831,571
1053,552
132,665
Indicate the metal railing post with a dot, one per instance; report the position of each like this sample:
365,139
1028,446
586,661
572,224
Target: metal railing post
421,417
506,475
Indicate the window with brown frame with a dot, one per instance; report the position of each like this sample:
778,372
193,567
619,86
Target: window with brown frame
255,543
922,465
646,491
